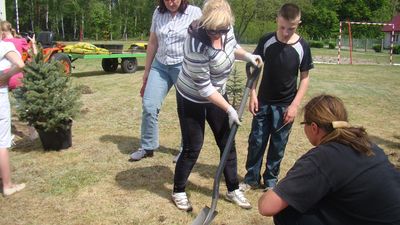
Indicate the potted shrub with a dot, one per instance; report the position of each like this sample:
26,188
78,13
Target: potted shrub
48,101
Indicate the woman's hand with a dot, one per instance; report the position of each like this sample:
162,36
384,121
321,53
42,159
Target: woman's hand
233,116
143,86
256,60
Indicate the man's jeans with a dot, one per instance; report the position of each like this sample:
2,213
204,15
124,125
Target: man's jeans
160,80
266,122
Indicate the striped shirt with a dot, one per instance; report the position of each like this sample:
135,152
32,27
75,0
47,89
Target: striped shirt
205,69
171,32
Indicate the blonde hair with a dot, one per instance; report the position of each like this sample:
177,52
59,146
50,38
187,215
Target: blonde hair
7,27
216,14
330,114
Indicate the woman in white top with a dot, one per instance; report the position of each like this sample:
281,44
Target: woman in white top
163,62
209,54
10,64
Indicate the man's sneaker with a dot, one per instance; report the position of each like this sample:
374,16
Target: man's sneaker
267,188
181,201
238,198
246,187
140,154
175,159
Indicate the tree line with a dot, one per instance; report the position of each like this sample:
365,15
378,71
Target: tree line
123,19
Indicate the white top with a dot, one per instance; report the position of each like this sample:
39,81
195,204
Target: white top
171,32
5,47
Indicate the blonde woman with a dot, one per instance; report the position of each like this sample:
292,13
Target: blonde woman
209,54
345,179
10,64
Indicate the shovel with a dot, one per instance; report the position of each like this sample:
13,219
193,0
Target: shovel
207,214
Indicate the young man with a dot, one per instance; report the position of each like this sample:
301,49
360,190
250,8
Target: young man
284,53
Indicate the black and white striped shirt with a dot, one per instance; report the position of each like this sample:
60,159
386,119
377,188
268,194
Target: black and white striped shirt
205,69
171,33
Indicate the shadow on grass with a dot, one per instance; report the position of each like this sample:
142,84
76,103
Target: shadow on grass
155,179
390,144
100,72
22,141
128,144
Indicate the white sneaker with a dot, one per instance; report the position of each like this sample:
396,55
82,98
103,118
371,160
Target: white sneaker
175,159
140,154
12,190
244,187
181,201
238,198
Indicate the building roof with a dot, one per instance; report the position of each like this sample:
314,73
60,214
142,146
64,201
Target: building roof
396,22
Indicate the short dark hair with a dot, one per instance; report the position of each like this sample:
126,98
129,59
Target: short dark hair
289,11
163,9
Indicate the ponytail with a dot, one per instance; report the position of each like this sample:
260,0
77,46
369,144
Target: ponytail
329,113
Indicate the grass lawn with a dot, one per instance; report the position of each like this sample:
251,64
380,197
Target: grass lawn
93,182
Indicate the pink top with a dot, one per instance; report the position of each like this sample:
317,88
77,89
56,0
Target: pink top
22,46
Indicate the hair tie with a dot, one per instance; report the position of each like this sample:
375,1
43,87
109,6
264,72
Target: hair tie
340,124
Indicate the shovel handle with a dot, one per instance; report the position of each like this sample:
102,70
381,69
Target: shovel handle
252,73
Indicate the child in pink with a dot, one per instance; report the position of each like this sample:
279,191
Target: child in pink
9,35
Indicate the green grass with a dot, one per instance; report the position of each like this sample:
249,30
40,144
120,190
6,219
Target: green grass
93,182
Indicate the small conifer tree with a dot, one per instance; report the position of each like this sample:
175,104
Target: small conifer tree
47,99
234,88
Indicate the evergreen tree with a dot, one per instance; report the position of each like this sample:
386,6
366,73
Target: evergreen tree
47,99
234,88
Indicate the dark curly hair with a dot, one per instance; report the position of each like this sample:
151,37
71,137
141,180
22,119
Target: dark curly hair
162,8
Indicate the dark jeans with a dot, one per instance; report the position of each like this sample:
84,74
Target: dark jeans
192,117
290,216
268,119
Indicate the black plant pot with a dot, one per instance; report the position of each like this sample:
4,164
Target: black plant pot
56,140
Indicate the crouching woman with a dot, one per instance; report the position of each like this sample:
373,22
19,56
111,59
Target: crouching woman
345,179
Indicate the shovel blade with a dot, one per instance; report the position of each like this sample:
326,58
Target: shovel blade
202,219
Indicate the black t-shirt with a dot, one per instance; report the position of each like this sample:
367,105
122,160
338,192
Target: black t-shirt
282,63
347,187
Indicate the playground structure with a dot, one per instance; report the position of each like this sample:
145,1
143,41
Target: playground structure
351,41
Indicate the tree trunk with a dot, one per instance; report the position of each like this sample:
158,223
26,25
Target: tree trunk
75,26
37,16
62,27
57,29
81,35
31,16
47,16
110,7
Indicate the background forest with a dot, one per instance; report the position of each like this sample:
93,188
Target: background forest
131,19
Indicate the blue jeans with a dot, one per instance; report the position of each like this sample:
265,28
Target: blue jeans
268,119
160,80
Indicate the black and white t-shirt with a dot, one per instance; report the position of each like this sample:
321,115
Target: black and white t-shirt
346,187
282,63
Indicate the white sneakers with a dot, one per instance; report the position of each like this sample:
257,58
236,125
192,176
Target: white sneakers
181,201
140,154
12,190
244,187
238,198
